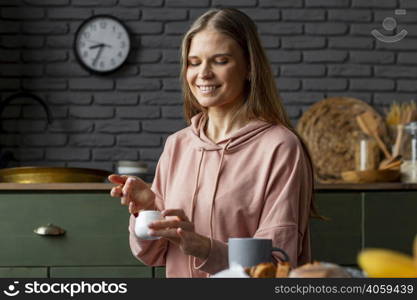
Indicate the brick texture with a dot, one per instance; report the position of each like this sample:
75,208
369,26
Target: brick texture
317,49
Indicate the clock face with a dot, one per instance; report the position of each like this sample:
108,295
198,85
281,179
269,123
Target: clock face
102,44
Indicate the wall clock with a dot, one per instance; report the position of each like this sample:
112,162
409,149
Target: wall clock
102,44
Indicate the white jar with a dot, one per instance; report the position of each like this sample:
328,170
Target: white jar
409,171
409,154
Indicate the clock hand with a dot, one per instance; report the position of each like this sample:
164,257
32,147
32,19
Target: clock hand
97,46
98,55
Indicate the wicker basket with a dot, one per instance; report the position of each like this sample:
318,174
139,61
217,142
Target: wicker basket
330,130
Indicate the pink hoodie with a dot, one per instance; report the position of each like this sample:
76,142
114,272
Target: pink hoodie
255,183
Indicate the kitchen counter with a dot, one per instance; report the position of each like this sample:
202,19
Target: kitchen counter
380,186
389,186
380,215
56,186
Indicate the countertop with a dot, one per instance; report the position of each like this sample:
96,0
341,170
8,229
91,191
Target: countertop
389,186
56,186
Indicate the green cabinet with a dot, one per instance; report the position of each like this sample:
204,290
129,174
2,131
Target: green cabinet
363,219
390,221
95,243
339,238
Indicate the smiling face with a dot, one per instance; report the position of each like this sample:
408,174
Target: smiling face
216,69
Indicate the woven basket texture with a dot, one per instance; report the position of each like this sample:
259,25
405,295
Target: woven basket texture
330,130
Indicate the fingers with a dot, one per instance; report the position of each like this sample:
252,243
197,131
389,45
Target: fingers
165,233
127,191
117,179
122,190
133,209
182,234
130,189
128,186
175,212
171,224
116,191
170,228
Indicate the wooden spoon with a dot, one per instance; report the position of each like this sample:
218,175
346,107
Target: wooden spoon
393,165
398,140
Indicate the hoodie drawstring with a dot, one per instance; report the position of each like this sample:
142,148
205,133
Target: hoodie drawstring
197,178
216,184
191,214
212,200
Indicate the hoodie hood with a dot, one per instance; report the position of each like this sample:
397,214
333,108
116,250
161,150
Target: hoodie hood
233,142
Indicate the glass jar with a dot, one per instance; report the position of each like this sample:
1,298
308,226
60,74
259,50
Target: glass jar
366,153
134,168
409,153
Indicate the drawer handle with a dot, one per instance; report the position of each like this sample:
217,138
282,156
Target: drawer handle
49,230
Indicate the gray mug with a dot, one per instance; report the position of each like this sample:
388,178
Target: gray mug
249,252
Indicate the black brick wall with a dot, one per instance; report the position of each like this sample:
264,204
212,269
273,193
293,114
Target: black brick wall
318,48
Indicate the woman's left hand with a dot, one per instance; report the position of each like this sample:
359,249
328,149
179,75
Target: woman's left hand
179,230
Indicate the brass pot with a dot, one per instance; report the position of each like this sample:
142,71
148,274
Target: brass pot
52,175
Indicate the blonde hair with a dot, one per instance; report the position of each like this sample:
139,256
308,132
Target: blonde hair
262,100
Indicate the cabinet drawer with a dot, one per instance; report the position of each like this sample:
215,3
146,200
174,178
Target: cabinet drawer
96,230
101,272
22,272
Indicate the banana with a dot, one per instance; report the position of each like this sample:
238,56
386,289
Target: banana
387,263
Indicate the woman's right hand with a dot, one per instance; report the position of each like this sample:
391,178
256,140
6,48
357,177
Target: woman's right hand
132,191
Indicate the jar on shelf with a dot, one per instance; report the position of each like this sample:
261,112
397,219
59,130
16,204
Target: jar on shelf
366,153
135,168
409,153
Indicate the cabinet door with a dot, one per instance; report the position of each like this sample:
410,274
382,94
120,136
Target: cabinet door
339,239
22,272
101,272
96,230
391,220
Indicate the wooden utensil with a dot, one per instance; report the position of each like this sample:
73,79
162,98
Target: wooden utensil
371,176
393,165
398,139
369,126
387,162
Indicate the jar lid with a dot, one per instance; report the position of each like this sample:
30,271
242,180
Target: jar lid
130,163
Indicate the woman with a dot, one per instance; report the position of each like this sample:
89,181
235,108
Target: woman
239,169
